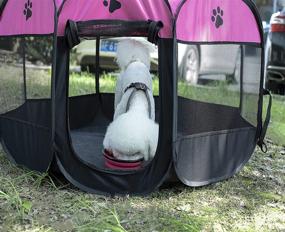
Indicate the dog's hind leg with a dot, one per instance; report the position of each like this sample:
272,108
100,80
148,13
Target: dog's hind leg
153,141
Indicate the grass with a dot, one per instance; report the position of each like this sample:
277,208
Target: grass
276,130
251,201
254,200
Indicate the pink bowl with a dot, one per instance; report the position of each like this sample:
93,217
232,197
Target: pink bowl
113,163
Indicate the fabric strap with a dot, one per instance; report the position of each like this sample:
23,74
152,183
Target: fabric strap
154,28
114,28
71,34
136,87
260,141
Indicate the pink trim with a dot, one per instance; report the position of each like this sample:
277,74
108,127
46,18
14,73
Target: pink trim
239,24
130,10
14,22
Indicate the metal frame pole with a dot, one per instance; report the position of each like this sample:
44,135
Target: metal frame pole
274,6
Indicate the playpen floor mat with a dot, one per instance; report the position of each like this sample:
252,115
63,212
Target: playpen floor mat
87,143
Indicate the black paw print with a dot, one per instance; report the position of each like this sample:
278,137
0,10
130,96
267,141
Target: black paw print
217,17
114,5
28,9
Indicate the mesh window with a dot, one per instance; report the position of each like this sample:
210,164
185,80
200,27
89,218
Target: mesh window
217,84
82,69
109,69
251,83
209,73
38,63
12,92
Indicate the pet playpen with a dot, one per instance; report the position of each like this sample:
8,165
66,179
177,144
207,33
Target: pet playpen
207,132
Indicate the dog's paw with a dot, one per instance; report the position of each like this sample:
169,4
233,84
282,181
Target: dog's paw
153,141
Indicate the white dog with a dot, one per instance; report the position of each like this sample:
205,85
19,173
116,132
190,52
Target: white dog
133,134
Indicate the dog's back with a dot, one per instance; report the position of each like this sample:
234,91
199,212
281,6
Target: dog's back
133,130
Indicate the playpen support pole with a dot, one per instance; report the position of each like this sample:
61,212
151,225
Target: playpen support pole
97,66
24,67
274,6
241,78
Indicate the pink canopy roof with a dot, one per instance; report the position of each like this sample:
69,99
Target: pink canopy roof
27,17
129,10
217,21
197,21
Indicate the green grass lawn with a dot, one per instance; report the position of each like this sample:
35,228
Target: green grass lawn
276,130
254,200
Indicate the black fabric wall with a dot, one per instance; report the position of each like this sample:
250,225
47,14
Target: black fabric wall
25,134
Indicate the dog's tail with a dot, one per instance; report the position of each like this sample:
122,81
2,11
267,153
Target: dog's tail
131,50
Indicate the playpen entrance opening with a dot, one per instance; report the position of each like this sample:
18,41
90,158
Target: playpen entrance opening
92,82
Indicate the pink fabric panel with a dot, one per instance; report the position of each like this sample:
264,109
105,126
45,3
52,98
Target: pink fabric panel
40,20
195,22
79,10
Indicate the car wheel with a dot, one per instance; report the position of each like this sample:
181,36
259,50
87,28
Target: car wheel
88,68
190,72
84,68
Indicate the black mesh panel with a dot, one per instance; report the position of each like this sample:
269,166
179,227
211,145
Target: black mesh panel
225,75
38,60
251,82
12,92
25,104
218,92
82,68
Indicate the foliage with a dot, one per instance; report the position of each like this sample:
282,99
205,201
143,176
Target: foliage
38,49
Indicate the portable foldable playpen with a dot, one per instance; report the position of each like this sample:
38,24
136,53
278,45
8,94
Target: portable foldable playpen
207,132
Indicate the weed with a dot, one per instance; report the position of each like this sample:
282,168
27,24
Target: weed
14,201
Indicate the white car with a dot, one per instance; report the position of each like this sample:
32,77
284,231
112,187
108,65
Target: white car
275,54
86,55
208,62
